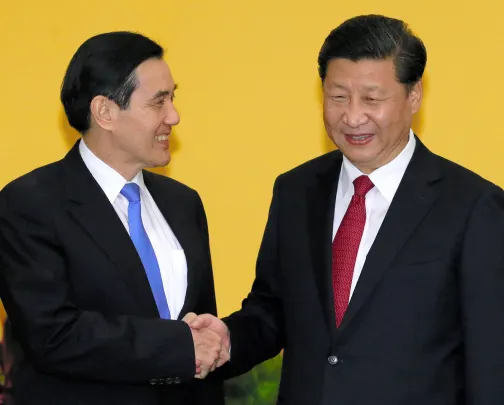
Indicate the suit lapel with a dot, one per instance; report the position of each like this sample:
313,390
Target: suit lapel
182,222
321,197
413,200
90,208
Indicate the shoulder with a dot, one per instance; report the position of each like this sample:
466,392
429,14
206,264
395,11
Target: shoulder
169,185
463,179
306,172
35,191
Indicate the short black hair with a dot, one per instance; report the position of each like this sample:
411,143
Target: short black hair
376,37
104,65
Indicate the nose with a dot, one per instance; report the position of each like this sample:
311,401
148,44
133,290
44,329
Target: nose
172,116
355,114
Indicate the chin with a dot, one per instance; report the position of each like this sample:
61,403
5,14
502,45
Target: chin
163,163
154,164
359,157
163,160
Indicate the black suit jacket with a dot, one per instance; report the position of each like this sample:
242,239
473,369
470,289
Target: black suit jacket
85,325
425,325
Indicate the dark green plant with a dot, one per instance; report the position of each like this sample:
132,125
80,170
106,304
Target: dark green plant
257,387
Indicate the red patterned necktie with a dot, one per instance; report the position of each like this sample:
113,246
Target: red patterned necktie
346,245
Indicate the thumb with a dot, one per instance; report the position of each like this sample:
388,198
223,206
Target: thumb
201,321
189,317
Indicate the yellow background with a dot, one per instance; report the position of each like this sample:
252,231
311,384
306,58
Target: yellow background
249,94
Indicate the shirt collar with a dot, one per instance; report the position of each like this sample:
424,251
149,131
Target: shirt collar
110,181
387,178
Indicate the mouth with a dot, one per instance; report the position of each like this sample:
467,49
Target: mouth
161,138
358,139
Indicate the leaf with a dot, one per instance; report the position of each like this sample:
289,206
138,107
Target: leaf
257,387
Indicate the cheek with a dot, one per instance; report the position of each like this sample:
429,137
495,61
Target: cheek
392,113
145,130
139,136
383,118
332,115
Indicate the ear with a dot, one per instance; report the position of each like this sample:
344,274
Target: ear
101,110
415,96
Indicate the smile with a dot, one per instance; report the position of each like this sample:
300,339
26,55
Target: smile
359,139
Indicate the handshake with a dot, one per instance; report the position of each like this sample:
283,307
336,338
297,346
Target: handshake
211,342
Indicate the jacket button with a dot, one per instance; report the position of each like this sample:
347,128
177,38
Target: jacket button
176,380
333,360
169,380
153,381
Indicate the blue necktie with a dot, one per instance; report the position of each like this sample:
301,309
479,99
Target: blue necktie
144,247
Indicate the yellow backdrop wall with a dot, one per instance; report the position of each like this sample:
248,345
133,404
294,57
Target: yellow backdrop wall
249,94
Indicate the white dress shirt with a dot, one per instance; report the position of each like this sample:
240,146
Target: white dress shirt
170,255
386,180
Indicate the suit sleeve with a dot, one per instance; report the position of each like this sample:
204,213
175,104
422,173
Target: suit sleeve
206,302
57,337
257,330
482,300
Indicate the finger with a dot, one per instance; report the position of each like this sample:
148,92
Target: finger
202,321
223,358
214,365
189,317
196,323
202,375
221,362
208,362
217,356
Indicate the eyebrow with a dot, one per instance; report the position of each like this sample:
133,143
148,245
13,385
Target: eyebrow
337,86
163,93
367,88
373,88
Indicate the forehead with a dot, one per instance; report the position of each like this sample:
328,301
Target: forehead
152,76
367,72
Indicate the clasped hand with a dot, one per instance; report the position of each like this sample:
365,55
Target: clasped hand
211,342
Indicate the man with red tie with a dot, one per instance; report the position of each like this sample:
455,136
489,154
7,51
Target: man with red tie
381,270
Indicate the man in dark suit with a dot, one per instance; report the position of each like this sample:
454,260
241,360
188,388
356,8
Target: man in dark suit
381,271
100,260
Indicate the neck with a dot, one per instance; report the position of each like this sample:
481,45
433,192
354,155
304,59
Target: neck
102,148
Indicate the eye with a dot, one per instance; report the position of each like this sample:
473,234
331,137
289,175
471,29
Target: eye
371,99
338,98
159,103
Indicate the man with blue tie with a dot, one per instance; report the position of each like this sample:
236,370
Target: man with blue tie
99,259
